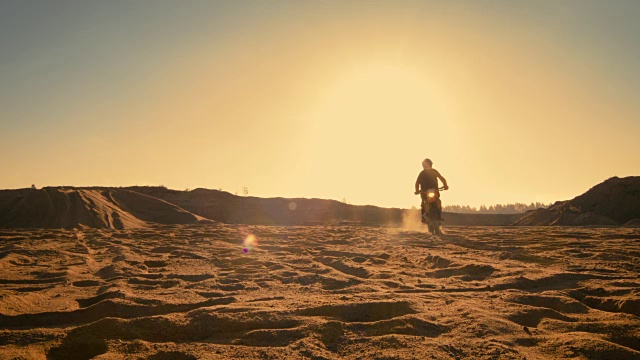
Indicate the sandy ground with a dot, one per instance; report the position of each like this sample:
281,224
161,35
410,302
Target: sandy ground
190,291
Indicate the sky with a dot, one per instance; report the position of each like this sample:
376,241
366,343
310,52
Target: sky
513,101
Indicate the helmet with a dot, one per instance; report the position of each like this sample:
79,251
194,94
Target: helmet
427,161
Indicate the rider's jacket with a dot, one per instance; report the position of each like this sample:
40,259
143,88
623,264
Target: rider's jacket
428,179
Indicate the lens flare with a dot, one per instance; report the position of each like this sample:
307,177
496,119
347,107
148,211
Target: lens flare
249,243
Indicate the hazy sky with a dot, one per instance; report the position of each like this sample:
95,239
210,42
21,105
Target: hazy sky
512,100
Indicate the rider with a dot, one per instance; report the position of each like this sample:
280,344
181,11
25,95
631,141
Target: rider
428,179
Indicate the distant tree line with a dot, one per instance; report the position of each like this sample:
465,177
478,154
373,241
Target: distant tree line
495,209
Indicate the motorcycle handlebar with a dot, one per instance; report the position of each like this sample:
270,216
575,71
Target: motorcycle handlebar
424,191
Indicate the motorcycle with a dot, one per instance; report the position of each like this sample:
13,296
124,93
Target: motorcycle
431,209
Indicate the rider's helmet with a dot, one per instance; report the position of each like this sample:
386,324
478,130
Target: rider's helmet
427,162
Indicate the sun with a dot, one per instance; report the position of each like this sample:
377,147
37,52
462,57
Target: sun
372,117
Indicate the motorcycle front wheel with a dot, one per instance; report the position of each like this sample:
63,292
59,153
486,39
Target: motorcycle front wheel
434,216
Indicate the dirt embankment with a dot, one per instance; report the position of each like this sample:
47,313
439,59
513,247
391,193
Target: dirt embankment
225,207
616,201
91,207
613,202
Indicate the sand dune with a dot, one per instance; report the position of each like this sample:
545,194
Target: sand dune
225,207
133,207
615,201
322,292
228,208
91,207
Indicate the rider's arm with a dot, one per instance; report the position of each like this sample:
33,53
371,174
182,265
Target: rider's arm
444,181
418,184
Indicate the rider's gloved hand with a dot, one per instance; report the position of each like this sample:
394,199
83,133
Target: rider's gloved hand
416,193
446,187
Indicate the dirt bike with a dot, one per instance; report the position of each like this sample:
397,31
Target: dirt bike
431,209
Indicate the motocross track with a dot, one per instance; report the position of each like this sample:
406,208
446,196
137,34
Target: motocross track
321,292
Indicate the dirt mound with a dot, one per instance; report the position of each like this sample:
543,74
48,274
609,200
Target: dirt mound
632,223
541,217
91,207
613,202
225,207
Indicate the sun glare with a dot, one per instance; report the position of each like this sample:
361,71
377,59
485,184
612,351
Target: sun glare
381,104
383,114
377,98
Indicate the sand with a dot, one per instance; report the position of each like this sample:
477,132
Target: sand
320,292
